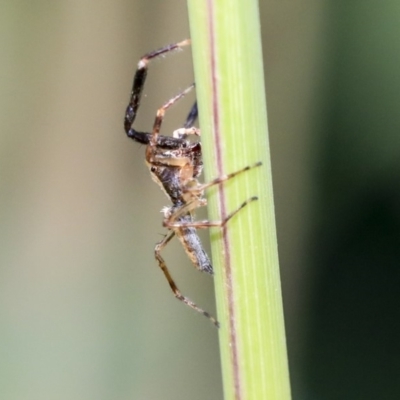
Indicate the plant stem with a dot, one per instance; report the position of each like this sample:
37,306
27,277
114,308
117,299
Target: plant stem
230,90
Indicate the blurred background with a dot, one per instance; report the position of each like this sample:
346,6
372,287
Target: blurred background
84,311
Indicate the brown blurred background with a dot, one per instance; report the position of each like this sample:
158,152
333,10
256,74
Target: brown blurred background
84,311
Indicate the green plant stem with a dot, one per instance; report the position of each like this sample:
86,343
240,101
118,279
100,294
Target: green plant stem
230,90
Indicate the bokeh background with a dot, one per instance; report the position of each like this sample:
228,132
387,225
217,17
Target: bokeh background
84,311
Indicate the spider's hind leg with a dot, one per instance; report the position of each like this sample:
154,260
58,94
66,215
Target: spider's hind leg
177,293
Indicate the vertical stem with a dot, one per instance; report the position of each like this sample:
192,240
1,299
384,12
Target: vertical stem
230,89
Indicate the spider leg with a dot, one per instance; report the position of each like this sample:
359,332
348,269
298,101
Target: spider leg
174,288
152,152
183,210
137,88
192,116
161,112
173,223
217,181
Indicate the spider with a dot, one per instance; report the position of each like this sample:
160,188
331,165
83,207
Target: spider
175,163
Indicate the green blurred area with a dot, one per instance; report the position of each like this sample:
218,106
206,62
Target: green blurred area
85,312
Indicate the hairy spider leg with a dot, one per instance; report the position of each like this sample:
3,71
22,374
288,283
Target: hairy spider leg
223,178
161,112
152,150
173,224
191,205
174,288
137,89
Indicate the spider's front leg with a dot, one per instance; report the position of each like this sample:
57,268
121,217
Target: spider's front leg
161,112
137,89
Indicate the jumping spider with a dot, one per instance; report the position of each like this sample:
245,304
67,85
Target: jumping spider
175,163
